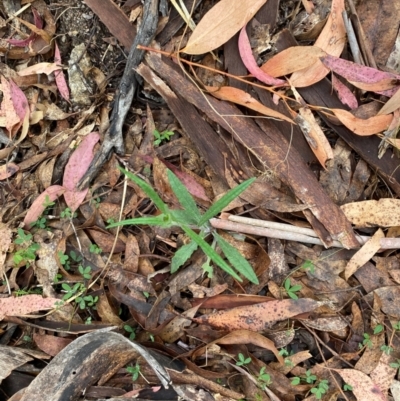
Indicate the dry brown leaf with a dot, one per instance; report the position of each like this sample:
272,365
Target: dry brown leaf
260,316
364,388
241,97
370,126
371,213
220,23
362,256
332,40
292,59
243,337
391,105
313,133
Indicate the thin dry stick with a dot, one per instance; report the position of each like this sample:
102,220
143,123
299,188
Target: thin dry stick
286,231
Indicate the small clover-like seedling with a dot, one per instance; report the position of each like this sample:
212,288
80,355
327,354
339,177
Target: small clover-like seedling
64,260
40,223
242,360
85,272
378,329
95,249
367,342
27,252
67,214
387,349
396,326
264,379
162,136
310,378
395,365
134,371
291,290
75,257
71,291
131,331
47,202
347,387
308,266
87,300
320,389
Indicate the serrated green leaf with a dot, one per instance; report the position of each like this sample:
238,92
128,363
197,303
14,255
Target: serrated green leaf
210,252
236,259
182,255
148,190
225,200
183,195
161,220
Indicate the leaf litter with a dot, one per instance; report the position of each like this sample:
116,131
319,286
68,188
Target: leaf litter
296,299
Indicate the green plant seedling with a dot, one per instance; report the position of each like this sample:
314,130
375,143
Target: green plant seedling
264,379
131,331
378,329
367,342
347,387
67,214
320,389
95,249
64,260
189,219
27,252
387,349
71,291
291,290
396,326
395,365
310,378
47,202
308,265
242,360
162,136
40,223
75,257
134,371
85,272
86,301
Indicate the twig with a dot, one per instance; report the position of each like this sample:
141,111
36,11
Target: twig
286,231
113,139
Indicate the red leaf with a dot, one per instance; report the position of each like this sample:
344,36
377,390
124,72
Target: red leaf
75,169
59,75
37,208
366,78
345,95
248,60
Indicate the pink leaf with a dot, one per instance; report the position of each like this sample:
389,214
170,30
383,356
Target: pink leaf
19,100
38,206
248,60
23,305
345,95
25,42
13,121
366,78
59,75
76,168
8,170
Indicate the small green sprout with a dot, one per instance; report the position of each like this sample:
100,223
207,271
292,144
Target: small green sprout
242,360
291,290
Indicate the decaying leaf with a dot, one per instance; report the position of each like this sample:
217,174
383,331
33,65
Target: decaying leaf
220,23
23,305
241,97
250,63
76,168
292,59
259,316
362,256
370,126
372,213
364,388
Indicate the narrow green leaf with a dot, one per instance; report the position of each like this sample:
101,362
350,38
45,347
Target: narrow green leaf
183,195
149,191
182,255
161,220
236,259
210,252
183,217
225,200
